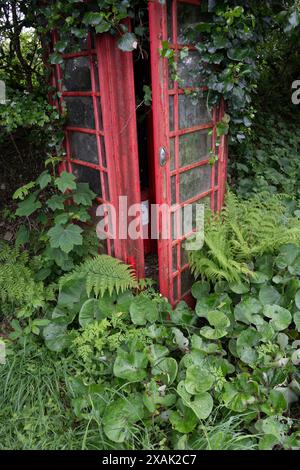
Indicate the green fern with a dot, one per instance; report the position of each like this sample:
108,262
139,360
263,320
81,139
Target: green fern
102,274
243,231
18,287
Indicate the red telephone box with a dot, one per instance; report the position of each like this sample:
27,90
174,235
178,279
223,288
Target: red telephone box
166,160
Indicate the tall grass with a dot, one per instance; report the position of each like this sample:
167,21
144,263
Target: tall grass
36,414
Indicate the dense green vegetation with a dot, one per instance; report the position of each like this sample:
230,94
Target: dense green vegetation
96,359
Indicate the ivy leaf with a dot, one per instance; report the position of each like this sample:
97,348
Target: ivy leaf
66,181
65,237
28,206
128,42
84,195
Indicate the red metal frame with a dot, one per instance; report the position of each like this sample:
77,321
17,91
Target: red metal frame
119,171
170,279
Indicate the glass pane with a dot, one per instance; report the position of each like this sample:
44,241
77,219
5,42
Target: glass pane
99,110
88,175
175,289
103,151
194,147
187,15
216,167
84,147
192,111
175,259
193,215
170,26
189,70
187,281
173,190
172,154
80,112
184,255
105,177
171,113
77,75
195,182
96,73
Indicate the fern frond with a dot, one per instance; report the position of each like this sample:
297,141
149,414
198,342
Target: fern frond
102,274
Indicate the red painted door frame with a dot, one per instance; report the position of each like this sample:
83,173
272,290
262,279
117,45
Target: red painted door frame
112,82
170,277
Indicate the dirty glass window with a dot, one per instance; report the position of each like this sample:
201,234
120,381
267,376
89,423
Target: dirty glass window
77,75
84,147
194,147
192,111
80,112
85,174
194,182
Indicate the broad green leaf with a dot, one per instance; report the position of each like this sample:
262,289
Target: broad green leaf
213,333
157,352
44,179
200,290
246,309
198,380
297,299
287,256
56,337
22,236
120,415
65,181
166,370
280,317
183,420
241,288
245,346
56,202
28,206
268,295
84,195
143,310
297,320
65,237
131,366
218,319
90,312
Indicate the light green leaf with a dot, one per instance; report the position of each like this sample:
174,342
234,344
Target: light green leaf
65,181
28,206
90,312
281,318
198,380
65,237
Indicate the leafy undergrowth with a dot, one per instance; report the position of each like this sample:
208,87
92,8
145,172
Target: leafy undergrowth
269,158
36,413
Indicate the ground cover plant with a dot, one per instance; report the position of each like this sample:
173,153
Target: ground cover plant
98,360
